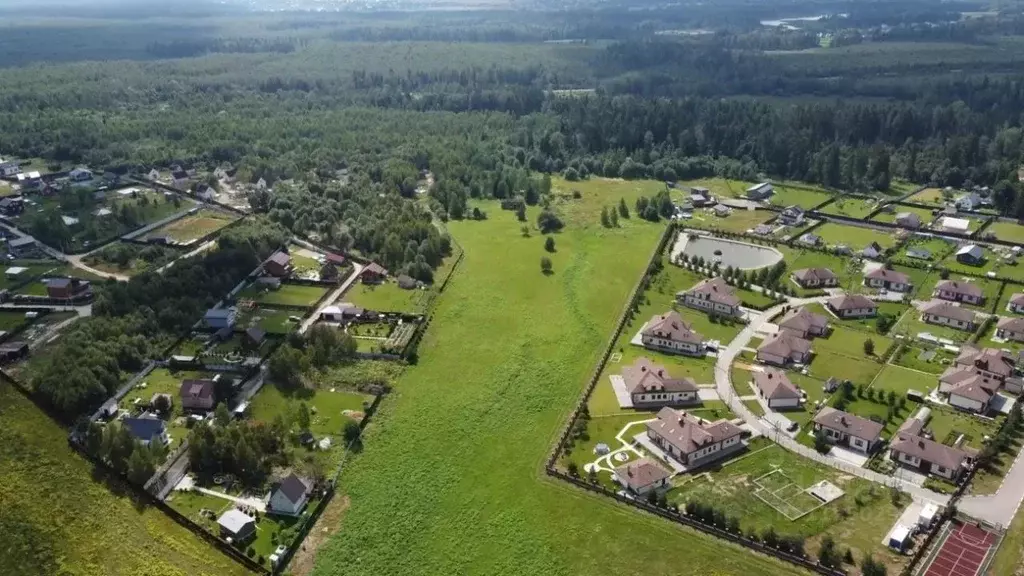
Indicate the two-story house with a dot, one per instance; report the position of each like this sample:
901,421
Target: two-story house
792,216
669,333
908,220
650,385
198,395
691,440
713,296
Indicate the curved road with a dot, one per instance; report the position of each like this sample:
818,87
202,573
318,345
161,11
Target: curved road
723,383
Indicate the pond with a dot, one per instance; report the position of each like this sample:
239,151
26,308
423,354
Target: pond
728,252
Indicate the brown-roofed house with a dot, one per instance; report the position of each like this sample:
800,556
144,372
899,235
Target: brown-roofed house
929,456
816,278
329,272
973,393
777,390
1010,329
1016,304
650,385
64,288
711,295
279,264
888,279
642,476
783,348
946,314
853,306
841,427
804,323
957,291
373,274
669,333
197,394
691,440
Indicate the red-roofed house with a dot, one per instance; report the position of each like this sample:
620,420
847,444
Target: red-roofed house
959,292
691,440
712,295
946,314
642,476
783,348
279,264
373,274
776,389
669,333
844,428
650,385
888,279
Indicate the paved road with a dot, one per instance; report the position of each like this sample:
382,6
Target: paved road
723,381
357,269
1001,507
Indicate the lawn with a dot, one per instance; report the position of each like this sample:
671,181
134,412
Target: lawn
328,408
1007,231
889,216
853,236
939,248
851,207
990,288
931,196
286,295
850,275
990,264
11,320
387,297
842,356
193,226
867,325
595,194
754,406
269,319
878,410
911,325
946,424
58,517
458,448
130,259
806,199
739,221
911,357
34,271
719,187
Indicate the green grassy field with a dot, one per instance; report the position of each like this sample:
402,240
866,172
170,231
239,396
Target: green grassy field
910,357
193,226
33,271
945,423
890,217
854,237
842,356
990,264
869,326
1008,231
911,325
387,297
899,380
806,199
851,207
990,288
11,320
286,295
939,248
452,466
269,319
739,221
58,519
928,196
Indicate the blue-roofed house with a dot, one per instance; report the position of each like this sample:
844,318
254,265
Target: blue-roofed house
147,429
218,318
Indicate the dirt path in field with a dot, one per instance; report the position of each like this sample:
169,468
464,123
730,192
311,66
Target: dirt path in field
328,523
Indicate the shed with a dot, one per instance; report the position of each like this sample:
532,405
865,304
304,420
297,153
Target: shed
15,271
928,514
898,538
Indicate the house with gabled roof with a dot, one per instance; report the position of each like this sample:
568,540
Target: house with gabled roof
197,394
777,389
883,278
713,295
670,333
872,251
650,385
1016,303
988,362
959,291
908,220
784,348
279,264
848,429
1010,329
946,314
642,476
815,278
147,429
910,449
290,496
792,216
971,254
971,392
760,191
373,274
853,306
691,440
237,526
804,323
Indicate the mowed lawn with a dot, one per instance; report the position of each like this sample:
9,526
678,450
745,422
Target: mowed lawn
193,226
990,289
56,519
851,207
928,196
853,236
890,216
286,295
738,221
900,380
387,297
1007,231
450,481
803,197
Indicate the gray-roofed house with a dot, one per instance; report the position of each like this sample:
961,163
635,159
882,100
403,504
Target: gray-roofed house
290,496
760,191
22,246
959,291
236,525
888,279
777,389
254,336
669,333
146,429
908,220
691,440
792,216
872,251
1010,329
971,254
197,394
218,318
711,295
910,449
947,314
650,385
642,476
1016,303
784,348
841,427
853,306
815,278
804,323
919,253
809,239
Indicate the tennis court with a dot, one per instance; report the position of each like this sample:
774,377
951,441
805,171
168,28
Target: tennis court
965,551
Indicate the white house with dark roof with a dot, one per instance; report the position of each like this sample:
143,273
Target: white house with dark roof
792,216
776,388
290,496
669,333
642,476
815,278
882,278
1016,303
988,362
959,291
851,430
946,314
784,348
853,306
972,393
804,323
910,449
712,295
1010,329
691,440
650,386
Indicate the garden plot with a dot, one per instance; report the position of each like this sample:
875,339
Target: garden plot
788,498
270,319
286,295
932,196
888,215
851,207
855,237
802,197
192,227
388,297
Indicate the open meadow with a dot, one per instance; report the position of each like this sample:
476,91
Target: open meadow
454,473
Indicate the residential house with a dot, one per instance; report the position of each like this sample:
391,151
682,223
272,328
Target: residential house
816,278
153,174
669,333
700,191
254,337
691,440
919,253
236,526
205,192
261,184
969,202
853,306
226,175
147,429
1010,329
642,476
649,385
911,449
908,220
783,348
279,264
840,427
777,389
842,250
760,191
30,181
946,314
197,395
12,205
883,278
66,288
1016,304
971,254
712,295
336,259
80,175
179,179
406,282
290,496
218,318
957,291
763,230
971,392
988,362
332,314
804,323
809,239
792,216
22,247
329,272
722,211
698,200
373,274
872,251
9,167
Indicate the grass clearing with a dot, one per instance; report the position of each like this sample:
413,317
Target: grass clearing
738,221
938,247
851,207
924,358
889,214
1007,231
946,424
388,297
853,236
269,319
869,326
911,325
931,196
900,380
286,295
720,187
69,522
803,197
193,226
450,450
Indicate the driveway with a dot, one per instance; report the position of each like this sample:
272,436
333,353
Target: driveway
357,268
621,394
850,456
999,508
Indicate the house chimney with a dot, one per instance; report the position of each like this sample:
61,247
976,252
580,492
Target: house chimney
661,372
